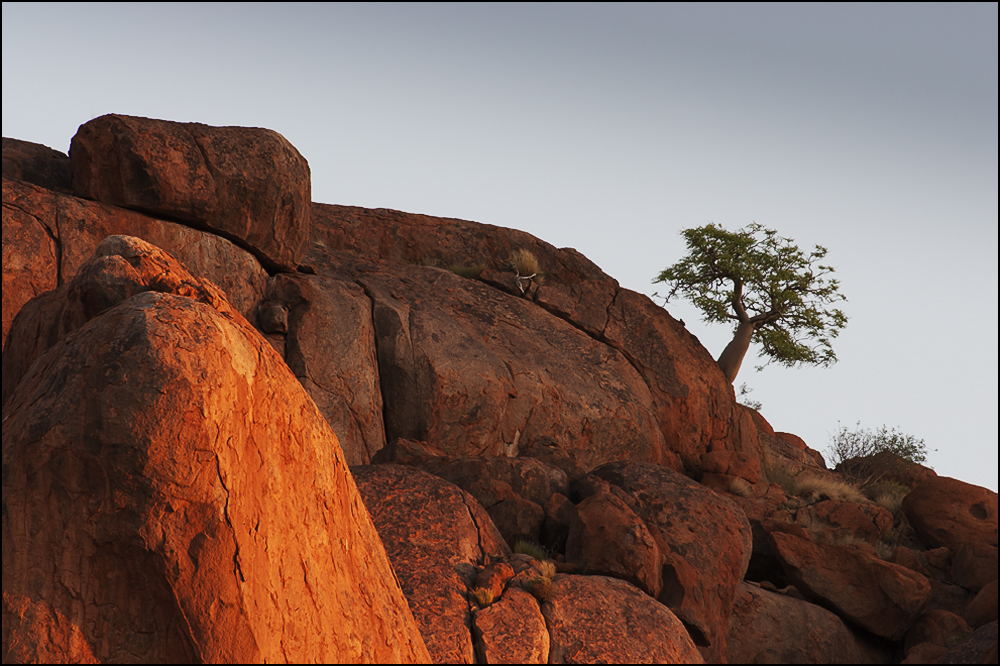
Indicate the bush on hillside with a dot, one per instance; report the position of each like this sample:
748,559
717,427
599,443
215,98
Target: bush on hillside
864,456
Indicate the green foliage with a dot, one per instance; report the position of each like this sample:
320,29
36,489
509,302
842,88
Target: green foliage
865,456
743,397
533,549
753,275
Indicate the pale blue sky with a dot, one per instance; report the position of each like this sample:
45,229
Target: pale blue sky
869,129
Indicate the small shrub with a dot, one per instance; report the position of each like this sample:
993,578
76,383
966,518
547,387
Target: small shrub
888,494
524,263
784,477
865,457
470,272
831,488
483,596
540,587
740,488
547,569
529,548
885,550
743,397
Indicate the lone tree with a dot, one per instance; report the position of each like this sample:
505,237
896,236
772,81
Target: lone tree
778,296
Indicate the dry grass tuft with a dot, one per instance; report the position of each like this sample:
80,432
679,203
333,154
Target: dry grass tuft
888,494
740,488
471,272
829,487
540,587
525,263
547,569
483,596
529,548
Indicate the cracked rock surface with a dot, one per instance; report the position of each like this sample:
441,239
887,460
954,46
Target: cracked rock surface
172,494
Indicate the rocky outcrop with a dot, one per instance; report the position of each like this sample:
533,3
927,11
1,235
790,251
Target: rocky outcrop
171,494
47,236
435,535
809,633
247,184
705,539
948,512
595,619
159,507
883,598
691,401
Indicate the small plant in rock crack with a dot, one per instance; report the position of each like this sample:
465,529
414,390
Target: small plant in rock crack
483,596
529,548
540,587
547,569
470,272
525,266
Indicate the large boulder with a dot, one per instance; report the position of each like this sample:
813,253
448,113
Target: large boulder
595,619
952,513
122,266
47,236
693,403
607,538
245,183
329,343
705,538
476,370
435,534
35,163
881,597
771,628
511,631
170,493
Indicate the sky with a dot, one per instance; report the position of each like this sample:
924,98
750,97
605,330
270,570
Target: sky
869,129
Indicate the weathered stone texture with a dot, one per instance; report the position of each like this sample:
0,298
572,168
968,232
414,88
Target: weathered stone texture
595,619
159,507
248,184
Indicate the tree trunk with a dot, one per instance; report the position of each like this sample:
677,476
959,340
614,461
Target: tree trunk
732,356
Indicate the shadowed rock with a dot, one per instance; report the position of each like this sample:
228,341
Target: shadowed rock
435,534
595,619
808,633
705,539
883,598
245,183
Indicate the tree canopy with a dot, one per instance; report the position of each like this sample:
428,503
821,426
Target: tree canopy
778,296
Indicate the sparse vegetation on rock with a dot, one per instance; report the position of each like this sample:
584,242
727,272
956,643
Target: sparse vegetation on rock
777,295
678,525
866,457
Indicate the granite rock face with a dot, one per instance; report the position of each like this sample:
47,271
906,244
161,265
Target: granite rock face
882,597
172,494
247,184
48,235
948,512
287,431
